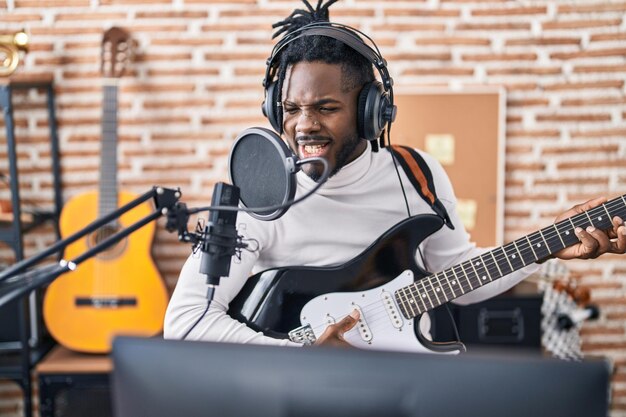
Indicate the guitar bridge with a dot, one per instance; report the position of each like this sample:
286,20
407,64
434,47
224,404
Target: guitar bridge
303,334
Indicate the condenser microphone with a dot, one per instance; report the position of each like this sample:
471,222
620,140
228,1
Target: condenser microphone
220,237
264,169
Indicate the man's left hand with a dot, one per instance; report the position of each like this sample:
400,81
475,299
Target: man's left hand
594,242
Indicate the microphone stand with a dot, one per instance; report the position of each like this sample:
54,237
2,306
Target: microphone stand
164,199
16,281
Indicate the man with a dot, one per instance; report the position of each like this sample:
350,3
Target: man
319,80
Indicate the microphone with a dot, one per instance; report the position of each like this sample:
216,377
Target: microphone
264,168
220,239
566,321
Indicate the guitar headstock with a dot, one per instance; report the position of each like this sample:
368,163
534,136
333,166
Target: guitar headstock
116,52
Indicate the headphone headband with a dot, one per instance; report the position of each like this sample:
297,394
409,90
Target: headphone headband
343,33
375,107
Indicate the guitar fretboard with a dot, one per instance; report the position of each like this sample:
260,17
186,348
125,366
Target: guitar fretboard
434,290
108,152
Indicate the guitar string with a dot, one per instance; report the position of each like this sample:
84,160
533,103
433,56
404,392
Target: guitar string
370,316
108,180
373,315
524,253
103,186
500,254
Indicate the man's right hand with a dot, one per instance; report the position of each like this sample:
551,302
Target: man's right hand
333,335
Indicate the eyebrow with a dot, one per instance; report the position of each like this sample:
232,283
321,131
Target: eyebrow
316,103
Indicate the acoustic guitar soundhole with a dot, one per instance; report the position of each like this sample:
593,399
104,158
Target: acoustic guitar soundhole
102,234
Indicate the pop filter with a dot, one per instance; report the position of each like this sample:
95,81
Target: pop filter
264,168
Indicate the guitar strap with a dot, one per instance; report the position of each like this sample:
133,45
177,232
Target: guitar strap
416,169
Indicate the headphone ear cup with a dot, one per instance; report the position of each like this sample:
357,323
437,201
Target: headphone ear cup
370,111
269,108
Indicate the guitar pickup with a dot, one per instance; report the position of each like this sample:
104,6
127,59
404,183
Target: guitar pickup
392,310
362,326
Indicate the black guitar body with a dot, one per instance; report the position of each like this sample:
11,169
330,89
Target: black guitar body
271,300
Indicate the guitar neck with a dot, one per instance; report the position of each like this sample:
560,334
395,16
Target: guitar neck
108,154
434,290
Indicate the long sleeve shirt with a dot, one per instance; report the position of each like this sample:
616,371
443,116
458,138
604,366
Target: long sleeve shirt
356,206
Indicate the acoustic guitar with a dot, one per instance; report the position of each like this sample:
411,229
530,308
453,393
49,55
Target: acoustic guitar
120,291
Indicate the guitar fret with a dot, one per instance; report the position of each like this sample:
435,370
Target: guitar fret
456,280
425,295
521,252
434,290
449,285
466,277
481,263
490,265
502,250
475,272
410,293
544,240
404,305
413,303
516,250
496,263
513,257
573,225
553,240
559,235
440,289
531,248
418,299
607,212
541,249
415,299
402,300
471,270
590,221
603,222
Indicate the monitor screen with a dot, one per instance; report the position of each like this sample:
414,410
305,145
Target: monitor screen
159,378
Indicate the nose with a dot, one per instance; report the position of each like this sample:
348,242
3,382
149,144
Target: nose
307,122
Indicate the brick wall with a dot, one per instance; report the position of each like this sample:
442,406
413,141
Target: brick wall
195,84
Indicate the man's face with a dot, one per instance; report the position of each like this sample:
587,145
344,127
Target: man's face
319,117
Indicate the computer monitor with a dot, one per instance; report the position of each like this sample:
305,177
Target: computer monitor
160,378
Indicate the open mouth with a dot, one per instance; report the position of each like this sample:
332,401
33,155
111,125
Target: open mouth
311,149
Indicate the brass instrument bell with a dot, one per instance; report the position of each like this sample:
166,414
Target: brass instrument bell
10,45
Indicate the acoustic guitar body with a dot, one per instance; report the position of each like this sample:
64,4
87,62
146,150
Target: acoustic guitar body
120,291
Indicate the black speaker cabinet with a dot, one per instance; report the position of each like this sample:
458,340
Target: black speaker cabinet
74,385
510,322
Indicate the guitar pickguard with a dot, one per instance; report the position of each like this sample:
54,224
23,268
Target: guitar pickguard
380,326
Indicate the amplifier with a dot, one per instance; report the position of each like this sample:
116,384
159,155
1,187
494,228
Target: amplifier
497,322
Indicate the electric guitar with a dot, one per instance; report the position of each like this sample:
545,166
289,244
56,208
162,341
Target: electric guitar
120,291
385,284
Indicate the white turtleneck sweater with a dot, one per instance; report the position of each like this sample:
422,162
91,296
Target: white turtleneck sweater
348,213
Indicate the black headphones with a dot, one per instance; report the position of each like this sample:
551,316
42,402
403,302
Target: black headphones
375,103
